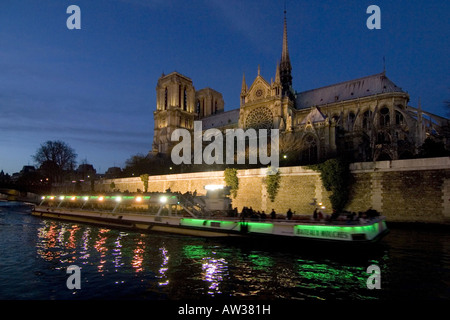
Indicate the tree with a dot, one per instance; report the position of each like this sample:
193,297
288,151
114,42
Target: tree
144,179
146,164
54,158
136,165
432,148
232,180
335,175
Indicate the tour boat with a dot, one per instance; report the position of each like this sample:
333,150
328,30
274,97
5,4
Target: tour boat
198,218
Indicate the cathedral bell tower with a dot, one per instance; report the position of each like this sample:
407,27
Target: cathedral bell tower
175,108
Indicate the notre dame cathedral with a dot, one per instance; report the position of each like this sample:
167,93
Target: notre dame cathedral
365,119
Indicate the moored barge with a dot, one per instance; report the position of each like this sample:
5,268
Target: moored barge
198,222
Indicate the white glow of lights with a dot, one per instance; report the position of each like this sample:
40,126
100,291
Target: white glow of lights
214,187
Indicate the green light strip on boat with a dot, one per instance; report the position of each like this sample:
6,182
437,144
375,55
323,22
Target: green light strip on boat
346,229
258,226
205,222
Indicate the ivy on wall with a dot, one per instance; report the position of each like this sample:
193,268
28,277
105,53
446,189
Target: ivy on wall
144,178
335,174
232,180
272,182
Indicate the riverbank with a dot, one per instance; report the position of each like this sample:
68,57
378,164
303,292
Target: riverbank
413,190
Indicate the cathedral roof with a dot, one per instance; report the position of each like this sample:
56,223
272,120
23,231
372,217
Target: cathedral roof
348,90
314,116
221,119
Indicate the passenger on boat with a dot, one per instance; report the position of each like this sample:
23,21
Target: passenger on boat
245,212
362,217
352,216
273,214
263,216
371,213
334,215
254,215
320,215
289,214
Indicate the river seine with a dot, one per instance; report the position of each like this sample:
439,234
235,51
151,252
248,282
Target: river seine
35,254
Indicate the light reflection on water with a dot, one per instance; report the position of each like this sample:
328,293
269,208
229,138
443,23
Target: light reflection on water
164,267
127,265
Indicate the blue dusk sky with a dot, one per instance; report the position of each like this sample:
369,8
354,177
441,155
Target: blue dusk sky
94,88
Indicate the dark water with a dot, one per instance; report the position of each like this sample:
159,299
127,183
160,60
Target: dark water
35,254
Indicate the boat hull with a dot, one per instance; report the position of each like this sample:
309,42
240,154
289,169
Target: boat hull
372,231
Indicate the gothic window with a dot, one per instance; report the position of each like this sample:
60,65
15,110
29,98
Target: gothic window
185,99
165,99
351,120
309,154
398,118
335,118
384,117
367,118
197,110
383,138
260,118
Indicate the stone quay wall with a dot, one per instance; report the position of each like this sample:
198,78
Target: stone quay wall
416,190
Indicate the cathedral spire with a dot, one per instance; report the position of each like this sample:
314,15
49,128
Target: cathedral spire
285,51
244,85
285,64
277,74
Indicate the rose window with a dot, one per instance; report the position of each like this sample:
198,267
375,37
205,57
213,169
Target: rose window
260,118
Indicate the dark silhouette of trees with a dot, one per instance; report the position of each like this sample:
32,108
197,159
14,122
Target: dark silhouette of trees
432,148
54,158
